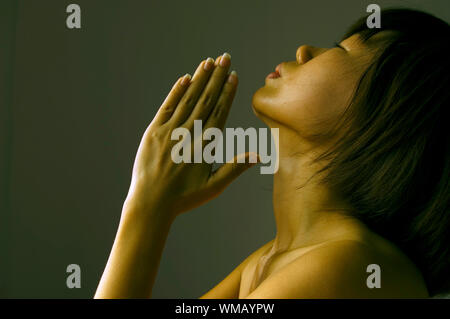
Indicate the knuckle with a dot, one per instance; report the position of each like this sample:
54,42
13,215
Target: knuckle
207,98
151,135
189,100
168,110
218,109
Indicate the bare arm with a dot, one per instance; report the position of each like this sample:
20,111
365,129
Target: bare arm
134,260
162,189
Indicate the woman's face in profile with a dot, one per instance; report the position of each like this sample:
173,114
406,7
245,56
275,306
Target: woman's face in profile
314,90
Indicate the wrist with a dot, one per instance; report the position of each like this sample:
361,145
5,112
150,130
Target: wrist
143,213
142,230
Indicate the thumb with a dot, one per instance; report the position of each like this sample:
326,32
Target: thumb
230,170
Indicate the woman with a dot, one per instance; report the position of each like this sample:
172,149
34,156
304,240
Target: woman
363,178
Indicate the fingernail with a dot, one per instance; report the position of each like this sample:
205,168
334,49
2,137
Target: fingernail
208,64
186,79
225,60
232,78
217,60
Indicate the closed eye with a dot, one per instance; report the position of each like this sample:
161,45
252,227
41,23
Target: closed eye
337,45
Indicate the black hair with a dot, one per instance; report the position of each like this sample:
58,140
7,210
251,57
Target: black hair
392,163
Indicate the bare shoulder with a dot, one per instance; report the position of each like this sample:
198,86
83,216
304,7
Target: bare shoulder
346,269
229,287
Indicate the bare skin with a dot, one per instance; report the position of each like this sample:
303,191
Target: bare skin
318,252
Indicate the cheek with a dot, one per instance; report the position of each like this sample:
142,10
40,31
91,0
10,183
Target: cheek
308,104
315,108
310,100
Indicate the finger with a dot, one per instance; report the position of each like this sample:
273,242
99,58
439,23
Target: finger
219,113
229,171
210,94
217,60
170,103
189,99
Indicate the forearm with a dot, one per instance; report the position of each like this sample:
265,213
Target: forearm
134,260
161,188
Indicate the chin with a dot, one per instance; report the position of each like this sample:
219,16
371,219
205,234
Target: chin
258,108
264,118
258,99
256,104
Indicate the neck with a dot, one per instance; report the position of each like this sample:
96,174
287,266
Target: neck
306,212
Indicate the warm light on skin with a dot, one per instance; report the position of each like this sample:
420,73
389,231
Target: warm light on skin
312,92
314,89
305,101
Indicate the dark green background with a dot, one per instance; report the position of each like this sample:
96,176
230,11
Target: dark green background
74,105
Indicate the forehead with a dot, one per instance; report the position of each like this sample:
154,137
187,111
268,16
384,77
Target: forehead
374,41
365,50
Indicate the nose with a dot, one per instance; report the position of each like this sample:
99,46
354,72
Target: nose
304,54
307,52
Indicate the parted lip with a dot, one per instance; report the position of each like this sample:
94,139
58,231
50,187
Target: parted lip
278,69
